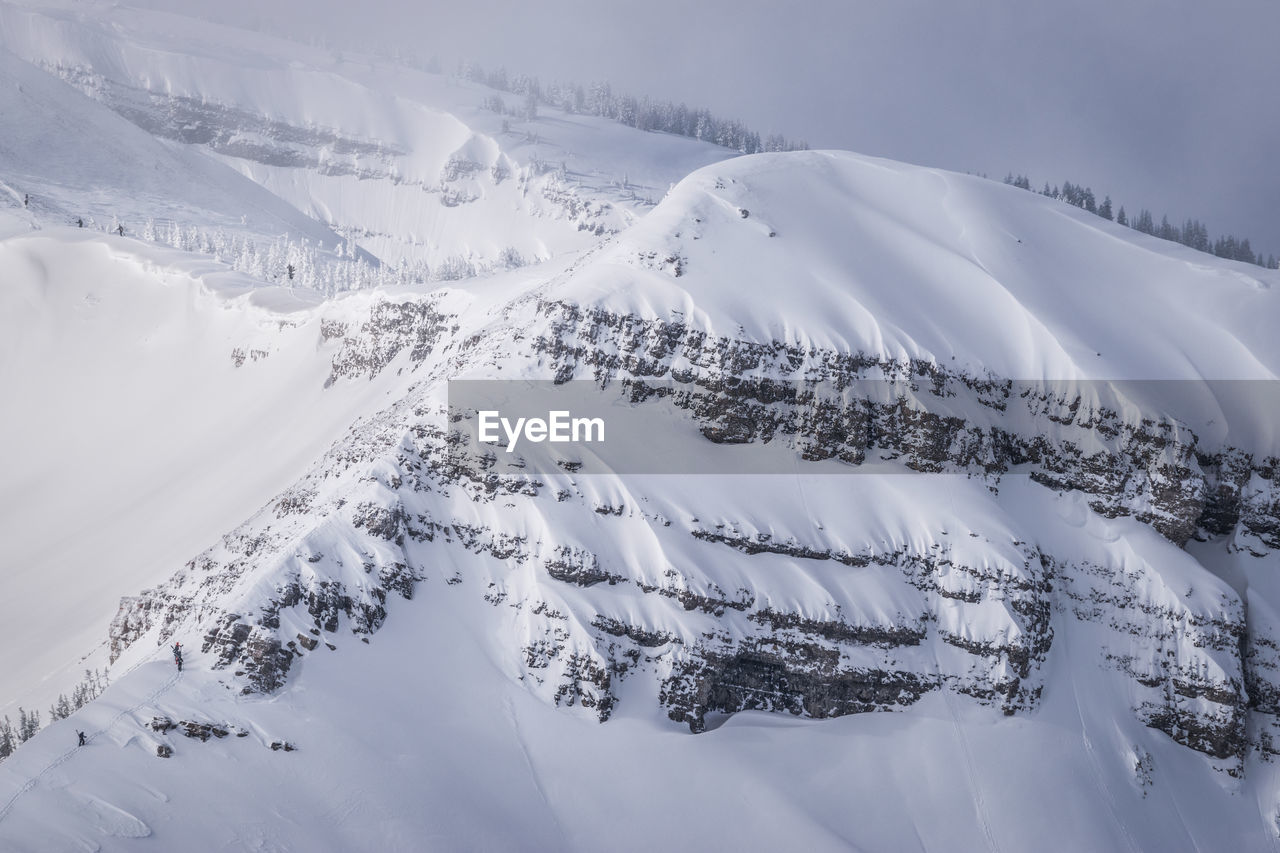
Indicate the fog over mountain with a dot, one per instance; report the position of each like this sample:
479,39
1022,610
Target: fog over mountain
1165,105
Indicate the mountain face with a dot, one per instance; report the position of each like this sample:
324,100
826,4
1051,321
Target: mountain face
959,531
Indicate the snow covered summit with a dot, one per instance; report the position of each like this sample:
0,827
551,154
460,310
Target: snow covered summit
1015,592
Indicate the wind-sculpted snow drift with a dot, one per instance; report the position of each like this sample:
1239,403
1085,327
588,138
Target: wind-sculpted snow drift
1008,528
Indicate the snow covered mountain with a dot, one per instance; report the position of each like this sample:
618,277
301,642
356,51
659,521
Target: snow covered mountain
412,167
1013,589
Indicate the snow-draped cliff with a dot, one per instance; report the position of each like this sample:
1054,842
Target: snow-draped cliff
1014,589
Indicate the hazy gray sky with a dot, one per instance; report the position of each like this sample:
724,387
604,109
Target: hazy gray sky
1169,105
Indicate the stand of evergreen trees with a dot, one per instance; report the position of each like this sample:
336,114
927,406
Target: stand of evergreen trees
642,113
303,264
11,736
1192,232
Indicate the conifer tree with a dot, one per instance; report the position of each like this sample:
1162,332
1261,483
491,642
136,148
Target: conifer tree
8,739
28,724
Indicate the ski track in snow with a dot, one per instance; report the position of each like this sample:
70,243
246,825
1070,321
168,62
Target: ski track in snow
979,802
90,737
1095,766
533,772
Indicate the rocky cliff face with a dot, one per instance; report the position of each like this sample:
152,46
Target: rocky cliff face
596,583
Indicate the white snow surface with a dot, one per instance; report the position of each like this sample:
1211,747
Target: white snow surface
405,164
132,418
879,256
79,160
154,401
422,740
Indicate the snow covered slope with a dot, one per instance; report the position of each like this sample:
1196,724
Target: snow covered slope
917,263
154,399
1060,671
979,610
72,159
410,166
156,138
